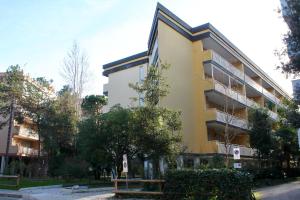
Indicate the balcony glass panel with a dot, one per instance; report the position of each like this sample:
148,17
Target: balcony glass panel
27,151
227,65
230,119
245,151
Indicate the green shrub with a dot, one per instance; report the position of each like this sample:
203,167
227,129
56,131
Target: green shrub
74,168
209,184
217,162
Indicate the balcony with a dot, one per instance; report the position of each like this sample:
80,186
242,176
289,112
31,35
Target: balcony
218,116
244,151
252,104
223,89
273,115
25,133
27,151
239,74
227,65
253,84
242,99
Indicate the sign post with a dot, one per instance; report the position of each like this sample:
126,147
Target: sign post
237,156
125,168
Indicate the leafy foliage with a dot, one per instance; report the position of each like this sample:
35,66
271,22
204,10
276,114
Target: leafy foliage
261,132
291,14
219,184
58,130
158,128
105,138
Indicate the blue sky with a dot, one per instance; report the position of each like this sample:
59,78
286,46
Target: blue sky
38,33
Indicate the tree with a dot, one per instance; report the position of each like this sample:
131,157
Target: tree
75,72
230,132
58,127
157,128
37,92
286,134
104,138
287,147
11,90
261,138
90,138
291,14
92,105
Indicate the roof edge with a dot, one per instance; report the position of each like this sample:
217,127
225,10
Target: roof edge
126,59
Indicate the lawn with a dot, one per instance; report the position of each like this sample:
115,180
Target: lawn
26,182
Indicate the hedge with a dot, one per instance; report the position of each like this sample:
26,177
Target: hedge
209,184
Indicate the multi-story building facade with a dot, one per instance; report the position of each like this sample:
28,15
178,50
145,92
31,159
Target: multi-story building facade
24,141
208,76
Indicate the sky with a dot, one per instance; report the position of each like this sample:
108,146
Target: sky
37,34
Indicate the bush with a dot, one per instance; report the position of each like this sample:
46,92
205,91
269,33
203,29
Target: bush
74,168
217,184
217,162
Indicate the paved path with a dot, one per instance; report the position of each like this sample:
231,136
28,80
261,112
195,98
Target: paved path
68,194
57,193
288,191
10,195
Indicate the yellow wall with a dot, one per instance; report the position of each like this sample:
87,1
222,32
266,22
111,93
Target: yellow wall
186,80
118,90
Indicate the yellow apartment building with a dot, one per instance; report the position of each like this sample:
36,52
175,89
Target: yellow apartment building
208,74
24,141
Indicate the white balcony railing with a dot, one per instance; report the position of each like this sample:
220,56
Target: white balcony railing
239,74
223,89
253,84
244,151
26,133
230,119
270,96
227,65
252,104
27,151
273,115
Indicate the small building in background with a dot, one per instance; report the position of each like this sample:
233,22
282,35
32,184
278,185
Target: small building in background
296,90
24,141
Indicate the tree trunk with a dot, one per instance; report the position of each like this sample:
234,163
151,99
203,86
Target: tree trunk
10,129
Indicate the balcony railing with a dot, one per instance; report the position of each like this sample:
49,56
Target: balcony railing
239,74
223,89
253,84
244,151
227,65
231,120
27,151
273,115
26,133
252,104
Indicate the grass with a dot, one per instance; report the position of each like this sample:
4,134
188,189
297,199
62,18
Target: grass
26,182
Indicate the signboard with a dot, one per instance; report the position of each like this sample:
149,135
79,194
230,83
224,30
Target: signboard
236,153
125,164
125,167
237,165
124,157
